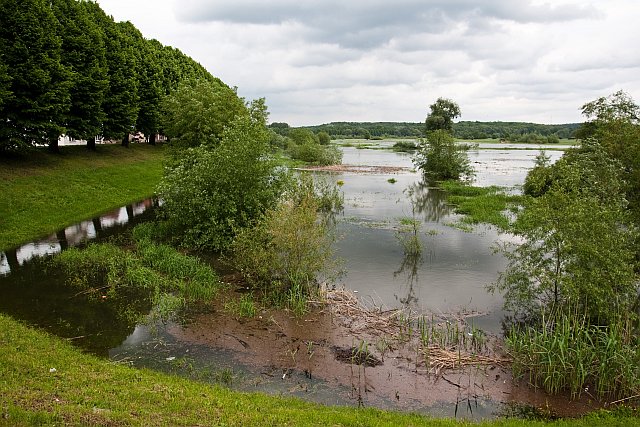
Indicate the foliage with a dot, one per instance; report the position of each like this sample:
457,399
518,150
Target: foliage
511,131
323,138
197,112
305,145
578,245
241,307
441,116
568,353
211,194
615,126
440,158
405,146
289,250
84,55
153,272
36,83
539,178
487,205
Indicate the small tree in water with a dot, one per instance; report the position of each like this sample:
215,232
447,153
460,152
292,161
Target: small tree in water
440,158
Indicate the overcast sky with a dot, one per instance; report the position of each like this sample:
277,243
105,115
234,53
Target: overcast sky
351,60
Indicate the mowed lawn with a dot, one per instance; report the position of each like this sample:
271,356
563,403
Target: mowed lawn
42,192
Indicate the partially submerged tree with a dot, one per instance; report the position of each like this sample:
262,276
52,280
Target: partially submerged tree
440,158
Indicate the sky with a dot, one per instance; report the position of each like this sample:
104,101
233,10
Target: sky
372,60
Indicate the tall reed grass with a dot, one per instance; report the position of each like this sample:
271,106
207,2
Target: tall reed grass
566,352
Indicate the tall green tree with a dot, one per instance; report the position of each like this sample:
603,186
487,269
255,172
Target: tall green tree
150,88
614,123
35,80
83,52
578,250
120,104
441,115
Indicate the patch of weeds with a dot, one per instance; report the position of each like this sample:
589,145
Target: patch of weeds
392,180
467,228
244,306
488,205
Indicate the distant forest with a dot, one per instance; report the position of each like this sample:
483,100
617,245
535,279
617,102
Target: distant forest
512,131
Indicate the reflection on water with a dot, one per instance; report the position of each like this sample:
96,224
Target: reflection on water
451,274
73,235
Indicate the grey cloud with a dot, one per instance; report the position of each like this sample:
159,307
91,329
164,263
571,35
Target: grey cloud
366,24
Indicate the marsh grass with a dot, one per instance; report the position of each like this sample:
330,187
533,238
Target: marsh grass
487,205
566,352
153,272
244,306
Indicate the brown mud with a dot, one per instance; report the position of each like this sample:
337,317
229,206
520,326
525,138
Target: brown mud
335,343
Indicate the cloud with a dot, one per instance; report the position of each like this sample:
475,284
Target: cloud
367,24
319,61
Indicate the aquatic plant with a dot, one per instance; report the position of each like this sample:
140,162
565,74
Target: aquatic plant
566,352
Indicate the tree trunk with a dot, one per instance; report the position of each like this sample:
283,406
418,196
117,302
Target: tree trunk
91,144
129,209
53,146
12,260
62,239
97,226
152,139
125,140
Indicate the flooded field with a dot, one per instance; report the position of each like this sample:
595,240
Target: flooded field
280,354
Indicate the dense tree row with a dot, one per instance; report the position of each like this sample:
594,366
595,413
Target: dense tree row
512,131
68,68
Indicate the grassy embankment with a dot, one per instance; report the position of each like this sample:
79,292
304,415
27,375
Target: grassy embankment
86,390
42,192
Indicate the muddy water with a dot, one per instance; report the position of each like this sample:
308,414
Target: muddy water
31,292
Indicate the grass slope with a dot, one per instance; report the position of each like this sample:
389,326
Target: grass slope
45,192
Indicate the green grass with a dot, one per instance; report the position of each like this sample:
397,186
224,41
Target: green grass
45,192
85,390
480,204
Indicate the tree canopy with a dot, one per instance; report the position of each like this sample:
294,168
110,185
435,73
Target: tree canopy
441,116
68,68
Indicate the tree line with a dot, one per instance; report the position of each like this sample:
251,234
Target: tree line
510,131
66,67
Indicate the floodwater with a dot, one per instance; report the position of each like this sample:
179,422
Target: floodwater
268,353
451,276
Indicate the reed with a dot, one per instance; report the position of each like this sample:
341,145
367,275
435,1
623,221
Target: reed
566,352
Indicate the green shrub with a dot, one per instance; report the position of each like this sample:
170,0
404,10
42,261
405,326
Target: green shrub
290,249
211,194
440,158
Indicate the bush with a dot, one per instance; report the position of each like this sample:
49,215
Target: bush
315,153
211,194
289,249
567,353
440,158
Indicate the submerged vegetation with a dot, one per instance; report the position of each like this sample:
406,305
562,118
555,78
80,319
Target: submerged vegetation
487,205
131,278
